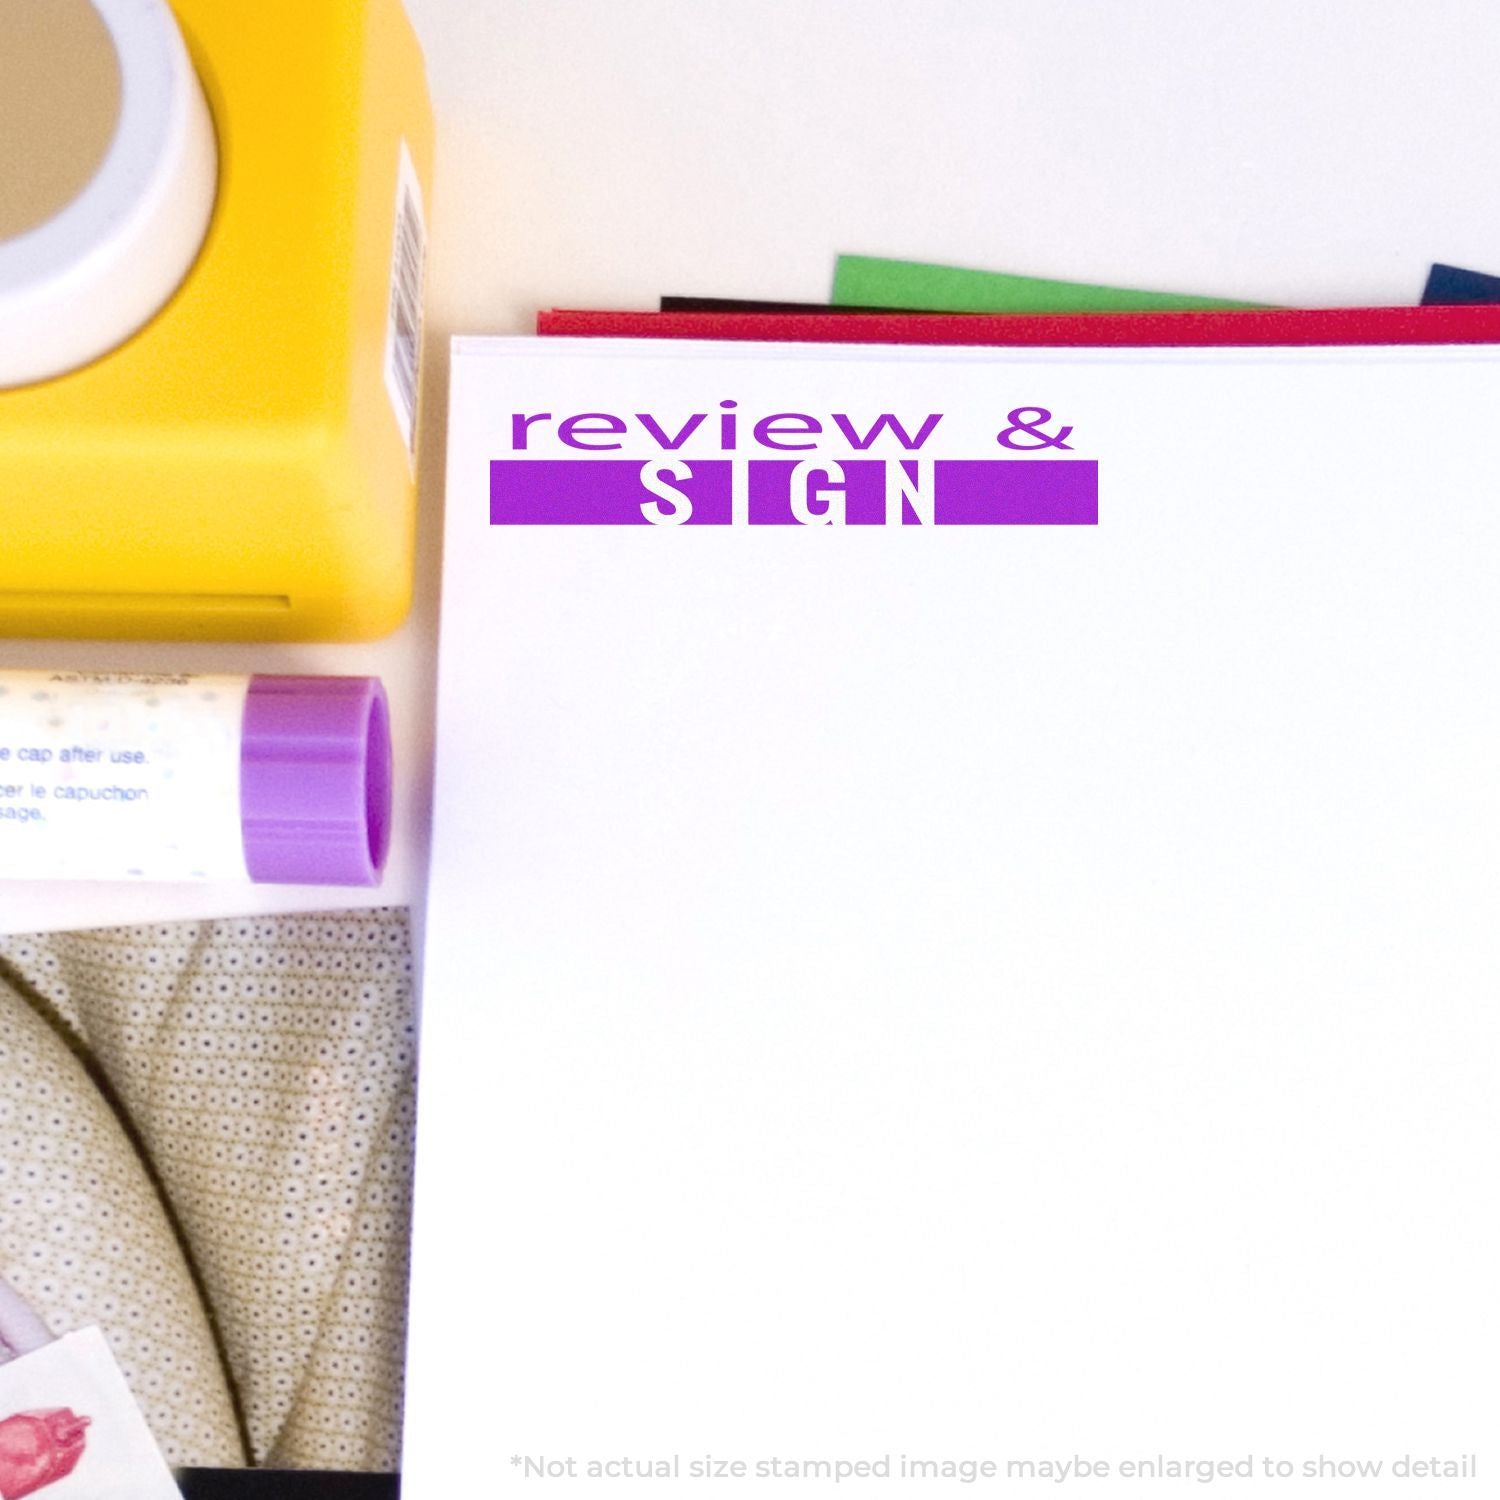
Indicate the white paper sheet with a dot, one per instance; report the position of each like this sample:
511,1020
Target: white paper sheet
952,996
70,1427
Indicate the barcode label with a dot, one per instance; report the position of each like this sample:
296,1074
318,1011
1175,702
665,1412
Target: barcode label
403,339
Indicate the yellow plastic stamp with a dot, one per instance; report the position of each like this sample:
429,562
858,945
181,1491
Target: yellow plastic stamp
212,245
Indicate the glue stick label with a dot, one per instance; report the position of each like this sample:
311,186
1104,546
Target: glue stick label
120,776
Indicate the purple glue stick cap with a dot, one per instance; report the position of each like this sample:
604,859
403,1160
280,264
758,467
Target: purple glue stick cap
315,780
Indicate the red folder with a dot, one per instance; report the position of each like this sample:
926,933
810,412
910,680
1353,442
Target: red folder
1274,327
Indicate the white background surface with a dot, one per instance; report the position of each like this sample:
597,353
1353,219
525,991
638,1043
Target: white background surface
1004,993
602,152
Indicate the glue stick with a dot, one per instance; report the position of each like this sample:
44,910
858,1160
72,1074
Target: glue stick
144,776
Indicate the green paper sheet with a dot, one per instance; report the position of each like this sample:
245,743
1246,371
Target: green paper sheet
869,281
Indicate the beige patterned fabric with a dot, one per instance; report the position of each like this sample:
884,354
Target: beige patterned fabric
261,1072
85,1239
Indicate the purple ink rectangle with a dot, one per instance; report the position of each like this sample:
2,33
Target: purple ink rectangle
964,492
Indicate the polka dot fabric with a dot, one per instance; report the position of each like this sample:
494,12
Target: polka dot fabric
85,1238
266,1068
